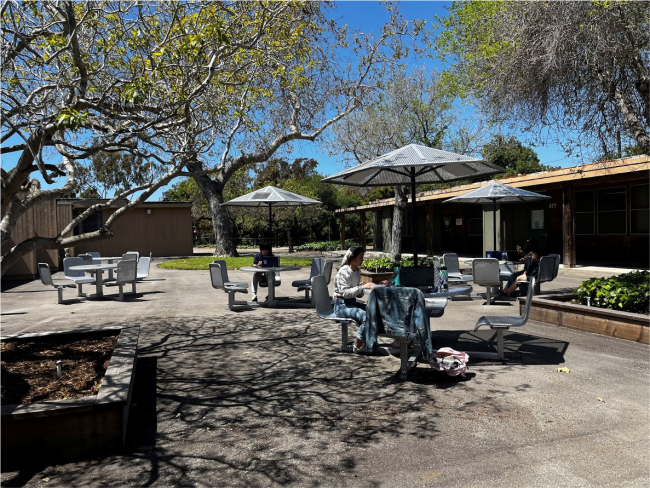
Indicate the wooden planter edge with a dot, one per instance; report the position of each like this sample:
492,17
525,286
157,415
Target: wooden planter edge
624,325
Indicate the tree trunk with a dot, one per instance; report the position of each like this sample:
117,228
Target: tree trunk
398,220
223,234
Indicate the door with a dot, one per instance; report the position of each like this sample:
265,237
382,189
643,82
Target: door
537,228
448,238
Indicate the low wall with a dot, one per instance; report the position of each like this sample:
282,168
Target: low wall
557,309
77,427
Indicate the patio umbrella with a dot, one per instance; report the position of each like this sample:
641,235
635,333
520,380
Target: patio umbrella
272,197
412,165
497,193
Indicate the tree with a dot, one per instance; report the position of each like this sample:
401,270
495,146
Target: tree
513,156
292,84
415,108
113,173
575,67
79,78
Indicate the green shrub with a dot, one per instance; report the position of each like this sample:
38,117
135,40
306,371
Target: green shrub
629,292
325,246
378,265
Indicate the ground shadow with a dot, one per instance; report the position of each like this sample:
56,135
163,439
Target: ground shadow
519,348
260,399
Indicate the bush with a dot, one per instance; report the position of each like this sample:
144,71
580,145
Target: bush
325,246
378,265
629,292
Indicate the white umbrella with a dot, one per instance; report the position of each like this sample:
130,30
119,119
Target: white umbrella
272,197
497,192
412,165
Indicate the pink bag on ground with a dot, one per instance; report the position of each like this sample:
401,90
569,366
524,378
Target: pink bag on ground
453,362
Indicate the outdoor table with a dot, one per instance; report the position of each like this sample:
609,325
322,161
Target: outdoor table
270,272
95,268
110,260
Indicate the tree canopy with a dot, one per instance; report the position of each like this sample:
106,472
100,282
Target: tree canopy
512,155
581,68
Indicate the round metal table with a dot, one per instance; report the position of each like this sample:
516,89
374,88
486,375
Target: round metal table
270,272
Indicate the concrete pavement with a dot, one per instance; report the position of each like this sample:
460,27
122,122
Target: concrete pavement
262,398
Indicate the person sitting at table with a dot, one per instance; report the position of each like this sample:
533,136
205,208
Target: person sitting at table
265,250
531,265
347,289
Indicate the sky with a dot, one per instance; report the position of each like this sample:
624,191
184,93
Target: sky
370,16
365,16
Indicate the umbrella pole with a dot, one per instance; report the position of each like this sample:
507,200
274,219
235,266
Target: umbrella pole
270,229
415,219
494,223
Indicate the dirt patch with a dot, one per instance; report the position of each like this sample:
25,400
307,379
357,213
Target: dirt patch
29,367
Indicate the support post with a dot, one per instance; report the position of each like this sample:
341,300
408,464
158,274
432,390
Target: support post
362,240
568,226
430,230
414,215
342,230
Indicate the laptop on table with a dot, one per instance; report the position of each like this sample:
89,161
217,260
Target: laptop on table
270,261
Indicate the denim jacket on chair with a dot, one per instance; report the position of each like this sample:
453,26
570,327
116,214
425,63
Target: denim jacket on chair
398,311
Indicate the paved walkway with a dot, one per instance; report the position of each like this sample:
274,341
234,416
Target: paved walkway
262,398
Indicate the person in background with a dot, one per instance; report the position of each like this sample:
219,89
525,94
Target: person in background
531,265
347,289
265,250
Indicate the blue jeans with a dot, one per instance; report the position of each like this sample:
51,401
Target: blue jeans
350,309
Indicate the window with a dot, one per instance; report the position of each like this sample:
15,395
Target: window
584,213
476,226
91,223
612,214
640,209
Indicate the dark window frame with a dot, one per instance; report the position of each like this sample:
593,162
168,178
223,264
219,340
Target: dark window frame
469,226
632,210
600,212
592,212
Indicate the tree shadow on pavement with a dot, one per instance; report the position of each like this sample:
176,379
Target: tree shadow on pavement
256,399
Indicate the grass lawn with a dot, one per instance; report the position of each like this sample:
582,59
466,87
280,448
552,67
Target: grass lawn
232,263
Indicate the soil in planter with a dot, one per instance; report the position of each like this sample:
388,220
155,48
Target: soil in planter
29,367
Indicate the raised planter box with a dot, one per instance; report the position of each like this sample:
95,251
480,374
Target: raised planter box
368,277
68,429
557,309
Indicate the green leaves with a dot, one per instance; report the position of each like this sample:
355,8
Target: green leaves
629,292
71,119
386,264
325,245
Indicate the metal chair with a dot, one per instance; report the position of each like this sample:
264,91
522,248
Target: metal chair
220,281
450,261
95,255
325,311
143,268
46,279
319,266
87,258
79,277
549,267
501,323
126,273
486,273
131,255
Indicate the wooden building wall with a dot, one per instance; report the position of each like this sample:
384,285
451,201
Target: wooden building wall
39,220
166,231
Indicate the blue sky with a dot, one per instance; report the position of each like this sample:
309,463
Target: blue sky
366,16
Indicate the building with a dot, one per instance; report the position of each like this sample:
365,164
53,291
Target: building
598,213
160,228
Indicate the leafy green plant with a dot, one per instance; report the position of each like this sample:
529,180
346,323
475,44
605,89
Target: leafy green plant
629,292
378,265
325,245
